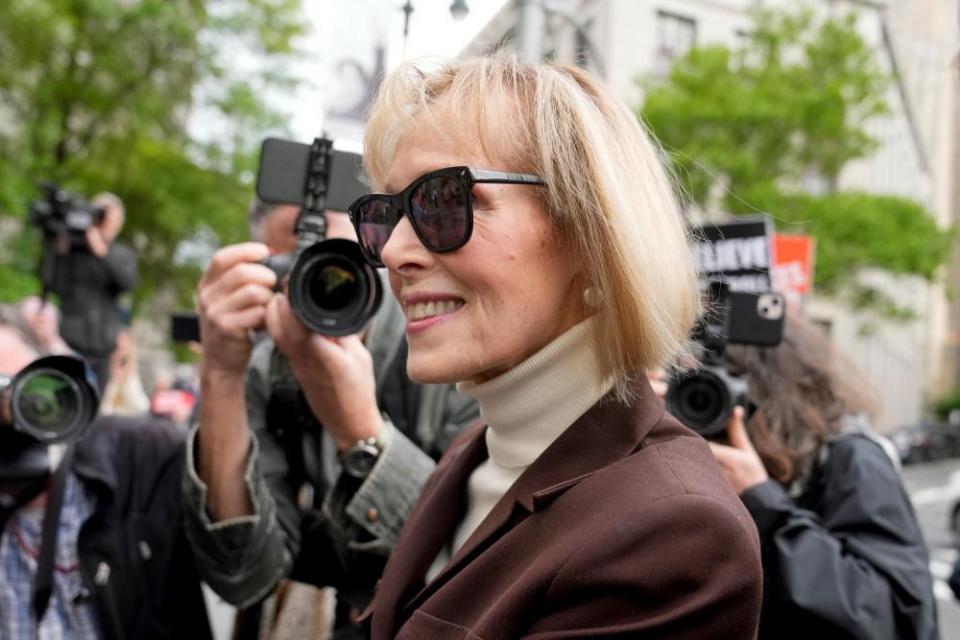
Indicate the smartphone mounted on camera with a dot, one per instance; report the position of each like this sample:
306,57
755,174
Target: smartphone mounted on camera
285,169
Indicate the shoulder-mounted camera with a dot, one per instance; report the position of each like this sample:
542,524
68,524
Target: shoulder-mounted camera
62,214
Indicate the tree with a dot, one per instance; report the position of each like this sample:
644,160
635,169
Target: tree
98,95
747,126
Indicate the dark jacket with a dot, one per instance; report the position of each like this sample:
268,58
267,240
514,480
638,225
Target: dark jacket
623,528
133,554
88,288
845,559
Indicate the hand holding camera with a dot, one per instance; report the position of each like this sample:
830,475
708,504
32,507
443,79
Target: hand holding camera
335,374
231,301
97,244
739,461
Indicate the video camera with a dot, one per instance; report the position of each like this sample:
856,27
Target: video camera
62,214
705,397
332,288
52,400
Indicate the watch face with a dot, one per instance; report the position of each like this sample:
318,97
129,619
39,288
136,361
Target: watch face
360,460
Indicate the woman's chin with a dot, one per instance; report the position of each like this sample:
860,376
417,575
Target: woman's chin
432,372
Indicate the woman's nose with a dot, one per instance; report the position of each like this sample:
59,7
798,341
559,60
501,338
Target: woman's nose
403,249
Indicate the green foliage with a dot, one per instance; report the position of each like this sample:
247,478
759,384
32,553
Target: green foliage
754,123
946,403
96,95
855,230
790,103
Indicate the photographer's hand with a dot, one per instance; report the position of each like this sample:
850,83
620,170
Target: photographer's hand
336,375
96,242
231,299
739,461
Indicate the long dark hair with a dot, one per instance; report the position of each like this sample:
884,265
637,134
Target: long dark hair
802,388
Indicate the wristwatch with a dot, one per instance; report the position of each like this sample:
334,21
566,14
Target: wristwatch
358,460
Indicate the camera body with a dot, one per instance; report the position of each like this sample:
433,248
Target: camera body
704,398
62,214
332,289
53,400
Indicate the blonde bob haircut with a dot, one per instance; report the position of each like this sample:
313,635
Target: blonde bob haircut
607,194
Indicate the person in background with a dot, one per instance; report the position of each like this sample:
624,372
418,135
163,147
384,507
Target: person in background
843,554
275,225
122,566
304,467
89,280
541,261
124,395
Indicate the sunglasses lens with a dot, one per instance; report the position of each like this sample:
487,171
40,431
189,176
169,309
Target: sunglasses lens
439,211
375,221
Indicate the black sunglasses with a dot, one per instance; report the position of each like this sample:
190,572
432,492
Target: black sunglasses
438,204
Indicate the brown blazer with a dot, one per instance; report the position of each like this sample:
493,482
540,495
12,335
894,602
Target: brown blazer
623,528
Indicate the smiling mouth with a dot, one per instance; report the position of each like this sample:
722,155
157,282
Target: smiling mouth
424,310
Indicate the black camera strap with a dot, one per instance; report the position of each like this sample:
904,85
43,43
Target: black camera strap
43,580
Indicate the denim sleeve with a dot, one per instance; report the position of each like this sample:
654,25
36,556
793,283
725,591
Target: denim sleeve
243,559
368,519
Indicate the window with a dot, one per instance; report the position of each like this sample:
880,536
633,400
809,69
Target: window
675,36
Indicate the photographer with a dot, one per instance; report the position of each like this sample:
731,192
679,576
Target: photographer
843,555
88,280
255,449
122,567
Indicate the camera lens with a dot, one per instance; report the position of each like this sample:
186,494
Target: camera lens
333,290
49,405
334,286
702,401
53,399
701,398
49,401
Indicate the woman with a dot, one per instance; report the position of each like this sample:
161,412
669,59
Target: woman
533,241
843,555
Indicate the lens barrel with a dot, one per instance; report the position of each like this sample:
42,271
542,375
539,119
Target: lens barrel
704,399
333,289
54,399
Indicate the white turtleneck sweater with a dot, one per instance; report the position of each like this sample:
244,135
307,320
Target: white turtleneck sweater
526,409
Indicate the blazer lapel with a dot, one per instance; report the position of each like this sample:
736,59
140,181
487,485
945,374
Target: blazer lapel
607,432
496,521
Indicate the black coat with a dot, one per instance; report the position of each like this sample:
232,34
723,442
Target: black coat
134,557
88,288
846,558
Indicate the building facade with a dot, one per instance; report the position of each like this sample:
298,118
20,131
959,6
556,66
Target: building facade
907,363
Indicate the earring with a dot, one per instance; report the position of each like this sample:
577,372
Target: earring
591,297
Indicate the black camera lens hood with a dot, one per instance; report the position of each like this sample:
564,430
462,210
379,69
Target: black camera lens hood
82,385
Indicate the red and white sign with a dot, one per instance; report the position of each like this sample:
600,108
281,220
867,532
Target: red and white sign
792,270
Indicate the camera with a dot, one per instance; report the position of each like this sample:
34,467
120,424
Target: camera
704,398
52,400
62,214
332,289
